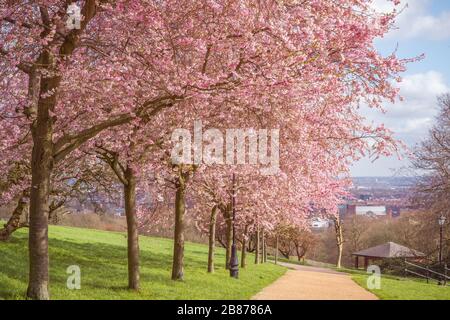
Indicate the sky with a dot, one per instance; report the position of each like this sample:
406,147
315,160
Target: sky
423,27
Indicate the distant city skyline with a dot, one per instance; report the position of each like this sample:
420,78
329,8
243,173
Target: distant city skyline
422,28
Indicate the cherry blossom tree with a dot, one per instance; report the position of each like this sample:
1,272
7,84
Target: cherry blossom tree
303,67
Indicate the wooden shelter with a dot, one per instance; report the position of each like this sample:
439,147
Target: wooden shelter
389,250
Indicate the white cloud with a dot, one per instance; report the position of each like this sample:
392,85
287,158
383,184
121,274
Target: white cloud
415,114
419,92
415,125
410,120
415,21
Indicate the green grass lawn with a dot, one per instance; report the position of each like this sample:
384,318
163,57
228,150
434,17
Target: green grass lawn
102,257
398,288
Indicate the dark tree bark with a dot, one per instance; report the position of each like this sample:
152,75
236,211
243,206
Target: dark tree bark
14,221
41,169
276,249
178,249
263,245
42,159
127,177
251,244
257,246
264,257
132,230
219,238
229,237
300,252
284,247
286,254
212,239
244,248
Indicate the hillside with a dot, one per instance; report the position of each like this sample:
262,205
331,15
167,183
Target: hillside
101,255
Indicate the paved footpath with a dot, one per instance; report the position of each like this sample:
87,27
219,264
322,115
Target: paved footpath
313,283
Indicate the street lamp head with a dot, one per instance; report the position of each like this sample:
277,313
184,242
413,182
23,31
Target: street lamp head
441,220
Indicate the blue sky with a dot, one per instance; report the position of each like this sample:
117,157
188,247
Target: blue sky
422,27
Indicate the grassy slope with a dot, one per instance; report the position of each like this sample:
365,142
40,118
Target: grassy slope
398,288
102,256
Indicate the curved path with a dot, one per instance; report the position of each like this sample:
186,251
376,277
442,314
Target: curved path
313,283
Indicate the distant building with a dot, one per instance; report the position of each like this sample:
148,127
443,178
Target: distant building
371,211
377,210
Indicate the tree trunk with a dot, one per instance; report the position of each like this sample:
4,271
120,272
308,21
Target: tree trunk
251,243
339,240
265,250
300,252
257,246
14,221
229,236
132,229
263,245
38,234
276,249
212,239
339,258
41,169
178,248
244,248
42,158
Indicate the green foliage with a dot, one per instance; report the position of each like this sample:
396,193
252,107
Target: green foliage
102,257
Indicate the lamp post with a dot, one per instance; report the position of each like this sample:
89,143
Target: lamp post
441,221
234,263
